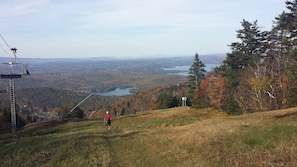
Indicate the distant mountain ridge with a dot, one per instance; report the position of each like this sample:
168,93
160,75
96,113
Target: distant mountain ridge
94,63
207,59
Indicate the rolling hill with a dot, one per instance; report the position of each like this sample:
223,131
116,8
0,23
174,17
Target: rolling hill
171,137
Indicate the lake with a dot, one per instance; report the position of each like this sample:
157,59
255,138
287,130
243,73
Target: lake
178,70
116,92
184,70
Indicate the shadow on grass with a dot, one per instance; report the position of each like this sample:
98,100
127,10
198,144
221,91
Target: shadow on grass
285,115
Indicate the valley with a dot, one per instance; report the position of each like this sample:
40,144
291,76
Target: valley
54,84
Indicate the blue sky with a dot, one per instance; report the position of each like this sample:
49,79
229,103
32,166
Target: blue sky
128,28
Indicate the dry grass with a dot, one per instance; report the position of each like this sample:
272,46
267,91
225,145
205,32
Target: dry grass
172,137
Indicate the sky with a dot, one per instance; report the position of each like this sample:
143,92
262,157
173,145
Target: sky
128,28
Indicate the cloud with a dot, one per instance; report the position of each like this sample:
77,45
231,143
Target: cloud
134,27
19,8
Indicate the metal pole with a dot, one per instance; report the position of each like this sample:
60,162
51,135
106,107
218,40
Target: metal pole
12,111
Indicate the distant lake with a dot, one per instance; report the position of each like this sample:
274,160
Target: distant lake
116,92
184,70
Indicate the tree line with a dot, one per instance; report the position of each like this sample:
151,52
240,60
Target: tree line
259,73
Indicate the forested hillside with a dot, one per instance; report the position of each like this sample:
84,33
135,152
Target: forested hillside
259,74
152,99
44,95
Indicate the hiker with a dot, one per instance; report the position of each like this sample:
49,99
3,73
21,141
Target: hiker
107,120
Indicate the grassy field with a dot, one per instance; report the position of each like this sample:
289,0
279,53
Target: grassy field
172,137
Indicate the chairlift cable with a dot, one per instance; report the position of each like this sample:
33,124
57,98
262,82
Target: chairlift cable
17,59
21,67
4,50
13,50
5,41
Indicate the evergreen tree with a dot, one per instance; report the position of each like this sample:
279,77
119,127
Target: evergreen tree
244,58
245,53
78,113
167,100
251,42
123,111
283,56
196,74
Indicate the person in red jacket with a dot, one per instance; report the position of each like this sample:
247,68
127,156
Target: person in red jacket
107,120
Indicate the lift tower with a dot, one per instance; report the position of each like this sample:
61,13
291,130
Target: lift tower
14,74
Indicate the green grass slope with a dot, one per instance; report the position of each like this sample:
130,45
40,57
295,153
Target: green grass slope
172,137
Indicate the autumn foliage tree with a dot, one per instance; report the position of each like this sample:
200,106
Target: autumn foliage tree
283,56
217,92
261,68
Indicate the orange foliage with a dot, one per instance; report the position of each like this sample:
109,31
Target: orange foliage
217,91
203,86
